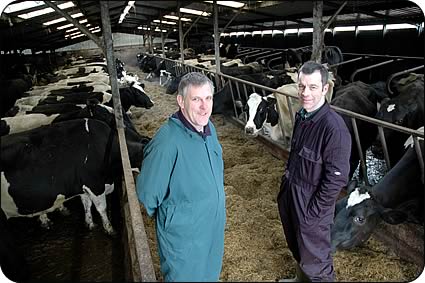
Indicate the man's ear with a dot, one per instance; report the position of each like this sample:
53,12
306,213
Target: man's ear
325,89
180,101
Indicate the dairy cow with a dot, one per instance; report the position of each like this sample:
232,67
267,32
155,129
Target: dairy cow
398,197
407,110
59,162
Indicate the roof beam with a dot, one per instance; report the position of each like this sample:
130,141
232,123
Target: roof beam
82,28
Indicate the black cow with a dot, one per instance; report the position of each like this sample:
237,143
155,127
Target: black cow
59,162
12,261
398,197
407,110
360,98
11,91
47,109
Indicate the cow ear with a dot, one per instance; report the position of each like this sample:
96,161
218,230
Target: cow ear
393,216
351,186
271,100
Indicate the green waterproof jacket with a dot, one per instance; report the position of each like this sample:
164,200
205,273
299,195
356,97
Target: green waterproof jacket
181,182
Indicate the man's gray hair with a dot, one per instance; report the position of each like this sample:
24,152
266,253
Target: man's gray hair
310,67
194,79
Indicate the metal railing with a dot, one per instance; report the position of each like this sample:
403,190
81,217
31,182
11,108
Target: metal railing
245,88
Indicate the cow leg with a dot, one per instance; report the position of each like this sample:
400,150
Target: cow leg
45,221
100,204
85,199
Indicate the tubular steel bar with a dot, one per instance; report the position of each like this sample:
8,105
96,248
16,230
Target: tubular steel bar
390,78
371,67
419,155
359,148
384,146
142,248
348,61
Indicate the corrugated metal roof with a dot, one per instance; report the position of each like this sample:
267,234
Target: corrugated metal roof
16,33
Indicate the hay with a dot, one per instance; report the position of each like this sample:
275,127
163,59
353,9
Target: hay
255,247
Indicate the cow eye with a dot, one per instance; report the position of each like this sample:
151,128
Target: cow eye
399,122
359,220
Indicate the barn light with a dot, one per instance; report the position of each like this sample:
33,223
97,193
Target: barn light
70,25
55,21
165,22
305,30
290,30
22,6
371,27
77,36
171,17
349,28
69,30
127,8
194,12
45,10
232,4
400,26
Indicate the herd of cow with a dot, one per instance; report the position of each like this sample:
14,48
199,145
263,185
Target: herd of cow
59,140
397,198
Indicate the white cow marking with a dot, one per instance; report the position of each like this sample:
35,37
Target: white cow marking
253,102
100,205
390,107
356,198
87,124
409,141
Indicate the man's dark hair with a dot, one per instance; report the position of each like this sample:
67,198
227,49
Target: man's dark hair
310,67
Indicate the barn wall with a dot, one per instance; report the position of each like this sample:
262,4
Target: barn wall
120,39
405,42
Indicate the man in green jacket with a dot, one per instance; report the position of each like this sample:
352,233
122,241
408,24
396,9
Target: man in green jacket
181,182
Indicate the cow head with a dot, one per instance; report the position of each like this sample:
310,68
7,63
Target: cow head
357,215
139,98
260,110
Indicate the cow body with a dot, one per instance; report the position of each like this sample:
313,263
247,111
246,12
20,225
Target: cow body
44,167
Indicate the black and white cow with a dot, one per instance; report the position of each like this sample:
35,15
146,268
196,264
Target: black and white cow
59,162
262,114
398,197
407,110
17,124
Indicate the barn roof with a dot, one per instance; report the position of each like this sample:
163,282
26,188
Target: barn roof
17,33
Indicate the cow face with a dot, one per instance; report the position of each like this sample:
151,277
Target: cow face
141,99
260,110
357,215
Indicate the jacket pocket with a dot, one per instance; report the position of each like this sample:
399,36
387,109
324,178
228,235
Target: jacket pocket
310,166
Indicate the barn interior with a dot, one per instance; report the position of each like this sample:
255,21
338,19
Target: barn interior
44,36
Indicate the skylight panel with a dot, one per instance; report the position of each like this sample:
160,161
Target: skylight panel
194,12
45,11
55,21
233,4
22,6
165,22
400,26
171,17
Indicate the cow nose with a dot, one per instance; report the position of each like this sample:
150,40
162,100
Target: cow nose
249,130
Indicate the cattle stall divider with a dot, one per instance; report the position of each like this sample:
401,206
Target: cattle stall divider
281,149
140,257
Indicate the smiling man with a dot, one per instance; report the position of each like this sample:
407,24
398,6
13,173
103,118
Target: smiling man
316,170
181,182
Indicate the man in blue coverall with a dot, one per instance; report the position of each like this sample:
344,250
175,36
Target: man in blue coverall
316,170
181,182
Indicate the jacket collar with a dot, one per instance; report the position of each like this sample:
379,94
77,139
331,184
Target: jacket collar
179,115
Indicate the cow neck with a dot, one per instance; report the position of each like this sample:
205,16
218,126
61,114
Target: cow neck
179,115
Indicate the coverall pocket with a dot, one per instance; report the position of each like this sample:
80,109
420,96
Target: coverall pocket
310,166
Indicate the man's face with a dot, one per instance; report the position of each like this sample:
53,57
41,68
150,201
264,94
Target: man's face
197,105
310,90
